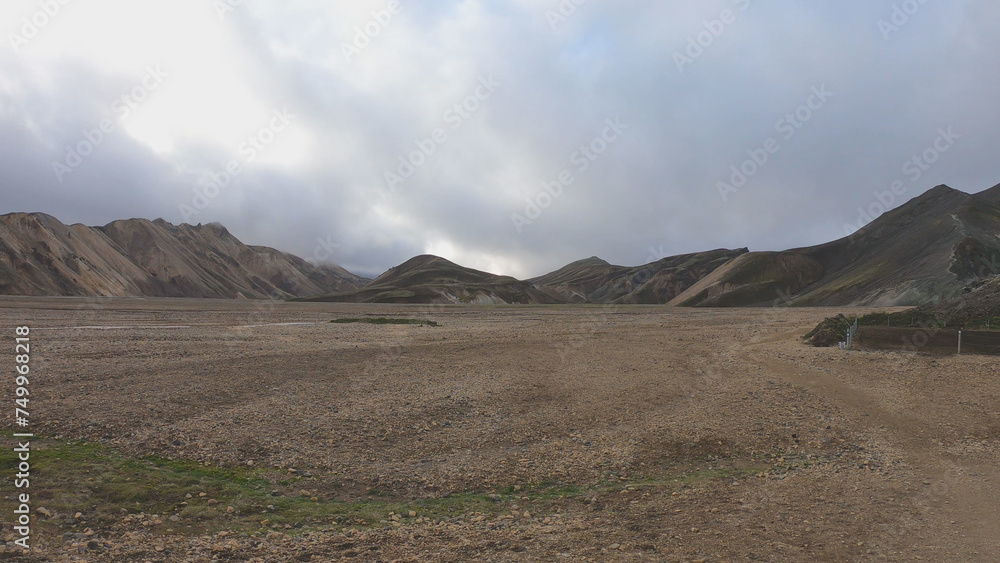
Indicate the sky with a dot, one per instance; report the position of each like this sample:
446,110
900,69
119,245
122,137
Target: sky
512,137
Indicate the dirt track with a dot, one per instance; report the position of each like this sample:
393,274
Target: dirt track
686,435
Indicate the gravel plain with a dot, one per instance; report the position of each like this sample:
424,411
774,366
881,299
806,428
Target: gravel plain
595,433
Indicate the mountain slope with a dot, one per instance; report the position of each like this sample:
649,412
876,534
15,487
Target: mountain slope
970,309
41,256
595,281
923,252
431,279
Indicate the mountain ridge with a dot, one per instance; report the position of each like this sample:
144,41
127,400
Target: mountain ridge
39,255
432,279
931,249
927,250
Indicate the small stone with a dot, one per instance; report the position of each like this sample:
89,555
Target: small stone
44,511
412,513
614,546
230,510
250,463
212,502
203,495
78,515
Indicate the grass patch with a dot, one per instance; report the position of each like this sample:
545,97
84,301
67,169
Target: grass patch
107,487
384,321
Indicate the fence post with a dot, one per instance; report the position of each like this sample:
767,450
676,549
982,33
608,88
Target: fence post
852,332
959,343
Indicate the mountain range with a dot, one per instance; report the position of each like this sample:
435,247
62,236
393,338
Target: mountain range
932,249
39,256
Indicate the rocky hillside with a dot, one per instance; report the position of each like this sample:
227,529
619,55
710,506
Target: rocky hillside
431,279
595,281
40,256
929,250
976,309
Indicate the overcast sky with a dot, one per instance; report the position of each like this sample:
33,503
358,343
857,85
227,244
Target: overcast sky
643,108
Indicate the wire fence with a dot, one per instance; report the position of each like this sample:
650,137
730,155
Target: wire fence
929,340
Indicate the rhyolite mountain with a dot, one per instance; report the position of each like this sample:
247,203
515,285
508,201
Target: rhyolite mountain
41,256
928,250
932,249
595,281
432,279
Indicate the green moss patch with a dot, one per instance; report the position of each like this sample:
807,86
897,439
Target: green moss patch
188,498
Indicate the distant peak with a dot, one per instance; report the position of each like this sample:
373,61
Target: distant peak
422,261
426,258
34,215
938,192
942,188
593,260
